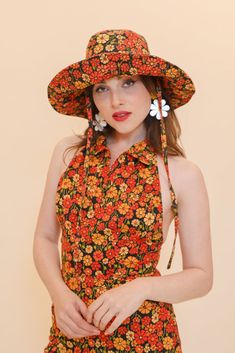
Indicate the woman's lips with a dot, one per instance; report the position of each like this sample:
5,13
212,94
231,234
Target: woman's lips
121,118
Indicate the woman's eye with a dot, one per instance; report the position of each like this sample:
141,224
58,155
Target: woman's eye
127,81
97,89
130,80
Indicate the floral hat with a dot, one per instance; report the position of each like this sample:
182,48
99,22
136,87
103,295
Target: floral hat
117,52
110,53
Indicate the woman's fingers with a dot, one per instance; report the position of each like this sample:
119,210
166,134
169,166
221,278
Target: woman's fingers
82,324
70,312
73,328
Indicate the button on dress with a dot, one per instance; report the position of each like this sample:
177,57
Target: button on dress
118,239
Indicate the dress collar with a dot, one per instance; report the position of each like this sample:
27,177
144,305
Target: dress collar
141,149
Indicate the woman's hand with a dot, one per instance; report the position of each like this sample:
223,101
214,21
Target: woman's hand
121,302
70,311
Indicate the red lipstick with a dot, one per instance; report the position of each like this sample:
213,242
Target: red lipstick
121,115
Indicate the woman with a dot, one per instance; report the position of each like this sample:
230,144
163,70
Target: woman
115,202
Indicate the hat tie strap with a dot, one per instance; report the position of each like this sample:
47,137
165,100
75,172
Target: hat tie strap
174,206
87,154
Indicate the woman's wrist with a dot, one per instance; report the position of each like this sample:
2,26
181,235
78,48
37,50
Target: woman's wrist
145,287
60,288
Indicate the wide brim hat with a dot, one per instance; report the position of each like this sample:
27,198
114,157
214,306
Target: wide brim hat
118,52
112,53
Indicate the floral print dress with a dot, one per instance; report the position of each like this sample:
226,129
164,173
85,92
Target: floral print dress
119,239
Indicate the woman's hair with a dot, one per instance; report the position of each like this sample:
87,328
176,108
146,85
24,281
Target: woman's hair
153,129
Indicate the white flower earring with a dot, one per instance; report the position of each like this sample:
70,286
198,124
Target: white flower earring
99,123
154,109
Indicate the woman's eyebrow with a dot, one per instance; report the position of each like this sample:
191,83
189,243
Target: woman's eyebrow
100,82
119,78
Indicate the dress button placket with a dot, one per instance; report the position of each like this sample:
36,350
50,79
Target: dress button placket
107,179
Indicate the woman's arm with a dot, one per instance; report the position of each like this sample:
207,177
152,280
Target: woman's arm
196,278
46,235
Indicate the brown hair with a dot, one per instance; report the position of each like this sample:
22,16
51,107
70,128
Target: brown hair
153,131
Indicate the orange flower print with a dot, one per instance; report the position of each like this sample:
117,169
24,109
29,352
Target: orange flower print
98,48
123,208
123,187
167,342
90,214
140,212
89,249
67,202
173,72
98,238
99,281
150,180
133,71
124,228
68,268
102,38
155,317
131,261
70,345
135,223
118,239
120,344
112,192
73,283
85,77
87,260
66,183
109,47
112,66
77,350
125,67
146,307
145,173
67,224
123,251
98,255
120,37
87,69
104,59
62,348
130,335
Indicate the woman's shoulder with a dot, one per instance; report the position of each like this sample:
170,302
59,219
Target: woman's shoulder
185,174
183,167
63,145
180,166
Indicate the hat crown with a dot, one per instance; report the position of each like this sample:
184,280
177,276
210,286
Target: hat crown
116,40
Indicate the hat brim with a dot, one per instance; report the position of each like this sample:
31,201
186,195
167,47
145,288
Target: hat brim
66,90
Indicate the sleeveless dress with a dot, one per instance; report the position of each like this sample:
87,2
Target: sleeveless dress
120,239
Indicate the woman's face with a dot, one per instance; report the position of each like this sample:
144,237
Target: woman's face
123,94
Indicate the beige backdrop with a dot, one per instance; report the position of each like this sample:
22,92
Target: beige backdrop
39,38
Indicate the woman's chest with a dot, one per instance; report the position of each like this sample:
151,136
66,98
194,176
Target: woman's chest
121,192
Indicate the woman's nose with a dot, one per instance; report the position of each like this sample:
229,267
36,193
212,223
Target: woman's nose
116,99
